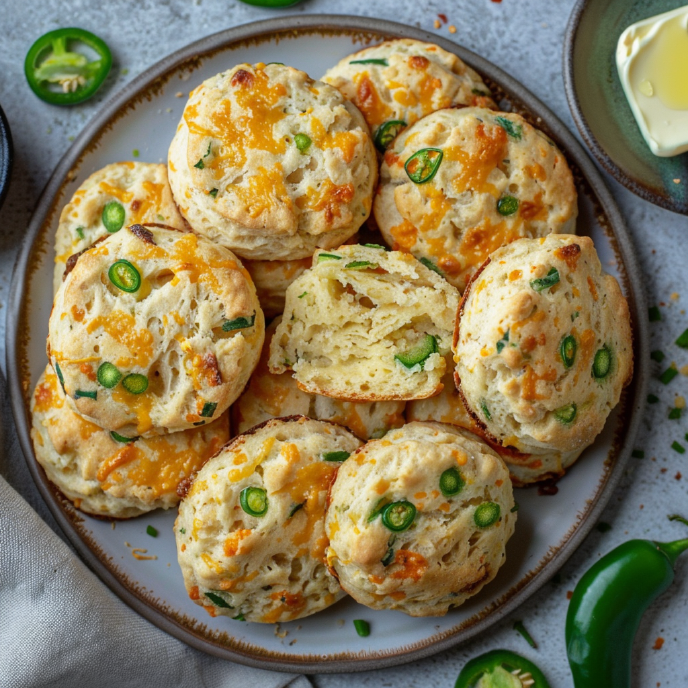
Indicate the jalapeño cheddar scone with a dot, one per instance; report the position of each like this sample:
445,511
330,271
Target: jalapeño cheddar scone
106,474
398,82
459,184
271,279
119,195
272,164
269,395
366,324
154,331
543,345
524,469
251,531
418,521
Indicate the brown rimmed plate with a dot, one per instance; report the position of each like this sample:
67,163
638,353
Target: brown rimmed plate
144,117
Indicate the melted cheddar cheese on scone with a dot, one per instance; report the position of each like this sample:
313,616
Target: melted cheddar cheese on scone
272,164
459,184
269,395
418,521
366,324
119,195
154,331
251,530
398,82
543,345
103,474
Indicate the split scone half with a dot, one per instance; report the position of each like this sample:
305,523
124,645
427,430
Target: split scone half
251,530
543,345
269,395
418,521
119,195
524,469
398,82
365,324
105,474
272,164
459,184
154,331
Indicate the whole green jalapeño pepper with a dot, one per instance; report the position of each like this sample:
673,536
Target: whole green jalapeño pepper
61,76
501,669
607,606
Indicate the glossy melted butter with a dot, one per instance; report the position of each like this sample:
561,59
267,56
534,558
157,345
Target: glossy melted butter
652,59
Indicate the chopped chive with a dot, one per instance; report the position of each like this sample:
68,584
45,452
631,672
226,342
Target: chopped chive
121,438
431,266
303,142
296,508
511,128
654,314
239,617
382,248
518,626
389,554
377,509
682,341
336,456
151,531
485,410
574,315
213,193
361,265
603,527
371,60
362,628
208,409
515,507
549,280
327,256
200,164
652,399
80,232
502,342
81,393
657,356
678,447
240,323
674,414
638,454
60,377
302,295
668,375
217,600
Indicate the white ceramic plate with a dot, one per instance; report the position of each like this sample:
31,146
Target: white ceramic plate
144,117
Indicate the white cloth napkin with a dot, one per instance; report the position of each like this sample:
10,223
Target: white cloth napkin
61,627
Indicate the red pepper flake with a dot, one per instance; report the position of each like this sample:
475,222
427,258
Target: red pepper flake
569,594
443,17
678,475
662,470
642,506
658,643
496,0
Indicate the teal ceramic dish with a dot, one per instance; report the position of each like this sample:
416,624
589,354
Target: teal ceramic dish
599,106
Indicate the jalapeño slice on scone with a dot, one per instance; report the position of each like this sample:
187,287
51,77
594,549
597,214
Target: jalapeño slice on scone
109,474
154,330
366,324
418,521
552,385
251,530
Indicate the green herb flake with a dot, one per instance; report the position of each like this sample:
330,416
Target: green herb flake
515,508
372,60
151,531
336,456
678,447
485,410
182,531
361,265
657,356
302,295
603,527
200,164
682,341
296,508
574,315
674,414
239,617
638,454
240,323
549,280
362,628
88,395
511,128
382,248
322,257
668,375
80,232
135,152
208,409
217,600
502,342
654,314
652,399
431,266
520,628
213,193
121,438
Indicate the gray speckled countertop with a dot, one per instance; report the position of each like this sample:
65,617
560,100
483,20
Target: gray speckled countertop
523,37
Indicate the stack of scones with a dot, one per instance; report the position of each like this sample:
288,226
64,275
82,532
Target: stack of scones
439,335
